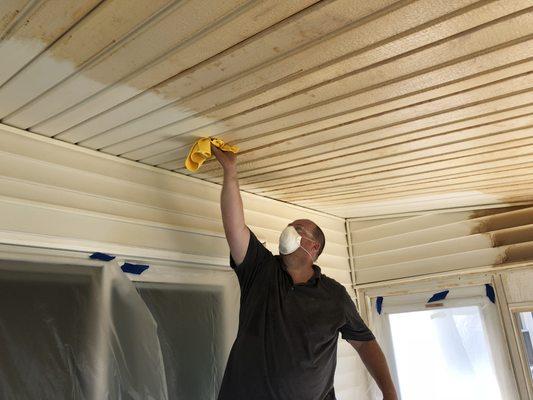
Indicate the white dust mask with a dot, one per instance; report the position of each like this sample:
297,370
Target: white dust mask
290,240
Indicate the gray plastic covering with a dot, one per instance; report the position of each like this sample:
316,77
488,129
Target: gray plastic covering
190,331
70,332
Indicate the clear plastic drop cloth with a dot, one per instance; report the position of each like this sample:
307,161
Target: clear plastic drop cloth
76,332
45,329
135,368
190,329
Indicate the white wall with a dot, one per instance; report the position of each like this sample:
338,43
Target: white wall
439,242
58,195
59,190
450,250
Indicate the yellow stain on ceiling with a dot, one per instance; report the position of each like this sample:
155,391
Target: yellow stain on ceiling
354,108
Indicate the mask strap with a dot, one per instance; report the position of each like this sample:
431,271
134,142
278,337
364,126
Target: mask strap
303,248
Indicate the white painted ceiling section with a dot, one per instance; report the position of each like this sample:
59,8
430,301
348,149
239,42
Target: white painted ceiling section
353,108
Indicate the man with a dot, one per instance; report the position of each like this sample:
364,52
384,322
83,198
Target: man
290,313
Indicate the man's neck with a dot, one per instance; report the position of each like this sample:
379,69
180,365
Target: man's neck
299,268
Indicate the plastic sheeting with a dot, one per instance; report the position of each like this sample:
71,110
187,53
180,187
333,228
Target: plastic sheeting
45,329
455,351
69,332
189,319
135,369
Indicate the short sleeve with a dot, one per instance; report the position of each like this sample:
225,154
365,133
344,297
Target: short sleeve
253,264
354,327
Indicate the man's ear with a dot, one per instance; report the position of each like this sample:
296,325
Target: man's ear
316,246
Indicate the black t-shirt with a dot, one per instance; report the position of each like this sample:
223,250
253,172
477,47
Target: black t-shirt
286,345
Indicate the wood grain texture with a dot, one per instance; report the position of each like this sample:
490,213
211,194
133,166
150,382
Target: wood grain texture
354,108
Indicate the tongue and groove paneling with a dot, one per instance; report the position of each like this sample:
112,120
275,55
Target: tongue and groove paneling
354,108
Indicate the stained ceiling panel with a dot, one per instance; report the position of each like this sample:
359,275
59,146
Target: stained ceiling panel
354,108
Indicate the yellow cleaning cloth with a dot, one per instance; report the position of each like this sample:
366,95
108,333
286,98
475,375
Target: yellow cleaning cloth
201,151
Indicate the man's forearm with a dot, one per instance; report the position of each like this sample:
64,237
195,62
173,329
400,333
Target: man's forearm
376,363
231,203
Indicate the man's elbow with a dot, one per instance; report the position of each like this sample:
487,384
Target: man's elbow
361,345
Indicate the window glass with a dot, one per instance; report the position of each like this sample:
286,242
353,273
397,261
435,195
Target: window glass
443,354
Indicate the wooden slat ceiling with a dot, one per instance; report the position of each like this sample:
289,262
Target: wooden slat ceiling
354,108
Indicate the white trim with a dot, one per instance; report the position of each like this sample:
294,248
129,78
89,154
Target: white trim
488,269
75,248
446,303
351,259
524,306
522,356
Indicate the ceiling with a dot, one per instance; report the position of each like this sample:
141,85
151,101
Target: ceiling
354,108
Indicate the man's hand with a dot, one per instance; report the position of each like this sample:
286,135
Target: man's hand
374,360
227,159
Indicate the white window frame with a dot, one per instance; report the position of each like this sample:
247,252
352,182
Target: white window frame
367,294
514,310
418,305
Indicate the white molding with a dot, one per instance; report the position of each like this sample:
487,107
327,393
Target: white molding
10,240
522,306
522,377
461,273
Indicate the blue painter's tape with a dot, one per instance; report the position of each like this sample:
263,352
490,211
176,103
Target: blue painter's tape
136,269
439,296
101,256
489,290
379,304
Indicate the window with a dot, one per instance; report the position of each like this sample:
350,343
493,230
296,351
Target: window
525,324
454,348
46,320
88,331
75,332
445,353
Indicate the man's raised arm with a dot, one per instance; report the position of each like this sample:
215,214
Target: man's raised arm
237,233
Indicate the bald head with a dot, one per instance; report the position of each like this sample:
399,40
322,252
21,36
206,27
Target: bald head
313,230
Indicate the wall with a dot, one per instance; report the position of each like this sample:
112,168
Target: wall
432,243
58,195
433,252
59,190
